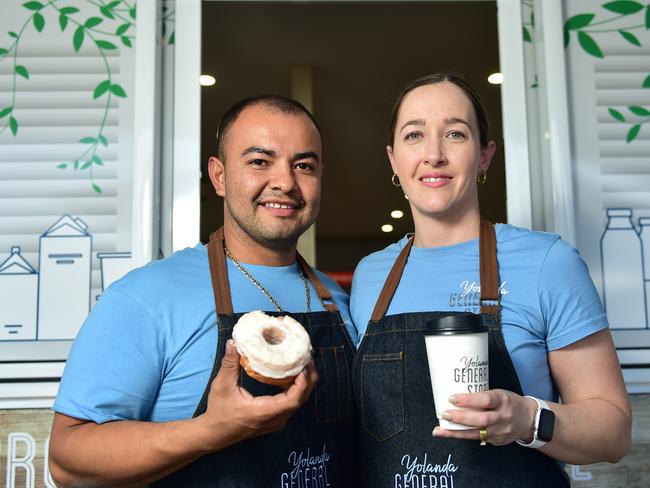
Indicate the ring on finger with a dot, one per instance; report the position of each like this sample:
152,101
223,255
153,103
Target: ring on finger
483,435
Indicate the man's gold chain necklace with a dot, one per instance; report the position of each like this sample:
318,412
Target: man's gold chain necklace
264,290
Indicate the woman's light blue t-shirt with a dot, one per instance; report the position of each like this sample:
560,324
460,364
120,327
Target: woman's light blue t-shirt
548,299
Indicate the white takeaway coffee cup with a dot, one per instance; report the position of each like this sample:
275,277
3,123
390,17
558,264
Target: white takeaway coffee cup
457,353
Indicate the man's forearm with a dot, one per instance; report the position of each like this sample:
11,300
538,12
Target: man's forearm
121,453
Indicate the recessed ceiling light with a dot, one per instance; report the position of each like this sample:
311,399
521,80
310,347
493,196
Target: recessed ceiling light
495,78
397,214
207,80
387,228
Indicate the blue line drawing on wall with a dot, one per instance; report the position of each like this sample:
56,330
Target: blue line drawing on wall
65,278
644,234
18,298
113,266
621,256
53,302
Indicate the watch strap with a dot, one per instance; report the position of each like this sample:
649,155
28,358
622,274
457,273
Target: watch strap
535,443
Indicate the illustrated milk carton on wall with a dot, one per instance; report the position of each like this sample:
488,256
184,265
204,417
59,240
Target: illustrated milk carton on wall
113,266
18,290
64,283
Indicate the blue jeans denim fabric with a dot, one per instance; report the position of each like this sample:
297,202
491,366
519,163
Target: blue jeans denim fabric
318,446
393,393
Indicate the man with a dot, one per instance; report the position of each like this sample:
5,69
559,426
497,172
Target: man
150,393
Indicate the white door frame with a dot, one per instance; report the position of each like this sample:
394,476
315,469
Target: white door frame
187,111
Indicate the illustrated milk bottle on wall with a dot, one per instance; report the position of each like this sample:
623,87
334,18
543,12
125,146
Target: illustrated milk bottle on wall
644,224
622,268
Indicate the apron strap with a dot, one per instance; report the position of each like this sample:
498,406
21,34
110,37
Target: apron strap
219,273
489,272
391,283
221,285
490,297
323,292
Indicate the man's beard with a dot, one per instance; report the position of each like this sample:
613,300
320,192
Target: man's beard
276,236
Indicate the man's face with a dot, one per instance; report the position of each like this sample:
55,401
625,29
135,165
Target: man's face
270,179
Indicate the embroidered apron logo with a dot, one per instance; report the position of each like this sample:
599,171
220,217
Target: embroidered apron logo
469,298
425,474
307,471
473,373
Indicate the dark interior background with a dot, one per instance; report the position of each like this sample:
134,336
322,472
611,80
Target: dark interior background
361,55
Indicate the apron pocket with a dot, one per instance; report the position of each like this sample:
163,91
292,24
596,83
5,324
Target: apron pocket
382,394
332,392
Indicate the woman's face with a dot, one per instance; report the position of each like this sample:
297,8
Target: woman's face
437,153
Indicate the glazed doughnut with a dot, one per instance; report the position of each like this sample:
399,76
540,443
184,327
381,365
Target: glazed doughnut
273,350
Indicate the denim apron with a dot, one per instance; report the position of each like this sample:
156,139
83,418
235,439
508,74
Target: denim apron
318,446
393,394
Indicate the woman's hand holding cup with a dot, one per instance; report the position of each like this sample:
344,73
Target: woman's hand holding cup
506,416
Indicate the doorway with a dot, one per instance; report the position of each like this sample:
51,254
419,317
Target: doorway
359,55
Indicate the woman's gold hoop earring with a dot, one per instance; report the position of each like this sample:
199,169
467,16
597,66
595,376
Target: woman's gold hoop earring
481,177
395,180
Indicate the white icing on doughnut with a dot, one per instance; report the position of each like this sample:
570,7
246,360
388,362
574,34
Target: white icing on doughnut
276,347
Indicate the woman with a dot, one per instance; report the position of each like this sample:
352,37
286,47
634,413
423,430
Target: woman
548,332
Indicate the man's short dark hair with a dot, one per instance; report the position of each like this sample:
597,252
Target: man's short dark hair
278,103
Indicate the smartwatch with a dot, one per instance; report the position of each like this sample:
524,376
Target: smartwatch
543,426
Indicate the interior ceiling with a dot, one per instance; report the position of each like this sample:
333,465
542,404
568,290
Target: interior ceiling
361,55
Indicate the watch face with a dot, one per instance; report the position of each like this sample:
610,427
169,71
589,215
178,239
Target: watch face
546,424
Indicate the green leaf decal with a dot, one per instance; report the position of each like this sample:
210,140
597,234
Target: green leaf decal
172,38
118,91
69,10
122,29
93,22
33,5
5,111
617,115
78,38
39,22
97,160
22,71
103,140
532,19
113,4
631,38
588,44
86,165
624,7
636,110
132,12
13,34
101,88
105,45
634,131
63,21
578,21
527,37
646,82
13,125
3,51
62,166
88,140
126,41
97,188
647,17
106,12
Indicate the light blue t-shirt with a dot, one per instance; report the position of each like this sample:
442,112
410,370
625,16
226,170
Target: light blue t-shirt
147,349
548,299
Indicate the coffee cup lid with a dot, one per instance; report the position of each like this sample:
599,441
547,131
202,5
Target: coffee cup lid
459,323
